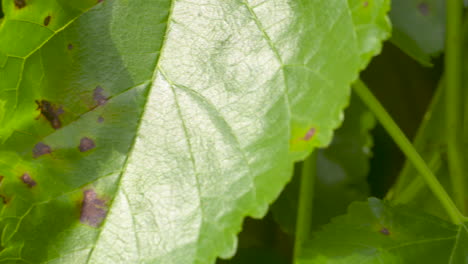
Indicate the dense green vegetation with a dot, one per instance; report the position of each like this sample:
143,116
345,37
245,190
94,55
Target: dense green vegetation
137,131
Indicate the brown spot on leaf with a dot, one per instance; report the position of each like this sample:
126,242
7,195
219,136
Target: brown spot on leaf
99,96
93,209
310,134
41,149
5,200
70,46
20,3
100,1
385,231
86,144
26,178
365,4
424,8
50,112
47,20
100,119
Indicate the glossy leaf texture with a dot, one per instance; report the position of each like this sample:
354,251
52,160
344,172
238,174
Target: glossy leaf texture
342,170
143,131
419,28
377,232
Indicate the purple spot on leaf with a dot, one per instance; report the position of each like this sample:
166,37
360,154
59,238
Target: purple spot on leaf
99,96
309,134
70,46
424,8
26,178
100,119
41,149
20,3
86,144
47,20
385,231
93,209
365,4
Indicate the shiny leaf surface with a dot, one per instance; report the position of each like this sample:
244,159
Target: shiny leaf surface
142,131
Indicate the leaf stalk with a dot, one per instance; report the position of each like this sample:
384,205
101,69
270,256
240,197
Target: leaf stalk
306,199
454,103
407,148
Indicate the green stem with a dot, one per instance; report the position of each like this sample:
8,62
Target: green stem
306,198
417,185
454,97
405,145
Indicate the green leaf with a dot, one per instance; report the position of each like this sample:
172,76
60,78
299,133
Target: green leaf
419,28
342,171
163,124
377,232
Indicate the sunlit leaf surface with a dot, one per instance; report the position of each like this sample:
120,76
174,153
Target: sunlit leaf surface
138,131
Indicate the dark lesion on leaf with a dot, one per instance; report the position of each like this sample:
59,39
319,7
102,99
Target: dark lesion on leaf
5,200
424,8
20,3
47,20
50,112
385,231
41,149
86,144
99,97
26,178
93,209
100,119
70,46
310,134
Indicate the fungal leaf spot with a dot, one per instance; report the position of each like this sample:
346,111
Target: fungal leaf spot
93,209
41,149
309,135
365,4
20,3
385,231
50,112
99,96
5,200
424,8
70,46
86,144
26,178
100,119
47,20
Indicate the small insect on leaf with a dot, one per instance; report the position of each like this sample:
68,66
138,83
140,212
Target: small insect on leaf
50,112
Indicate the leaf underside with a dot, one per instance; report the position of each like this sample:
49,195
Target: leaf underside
139,131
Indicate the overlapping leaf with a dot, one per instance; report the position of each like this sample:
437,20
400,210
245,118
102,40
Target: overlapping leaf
419,28
164,123
376,232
